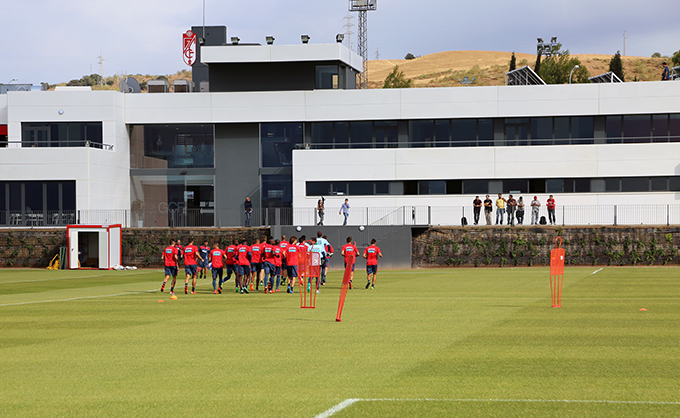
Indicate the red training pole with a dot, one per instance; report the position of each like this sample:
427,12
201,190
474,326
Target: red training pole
343,291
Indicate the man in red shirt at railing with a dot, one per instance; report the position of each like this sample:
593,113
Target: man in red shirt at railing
550,204
191,265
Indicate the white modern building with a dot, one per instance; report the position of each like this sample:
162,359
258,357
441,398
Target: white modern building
285,126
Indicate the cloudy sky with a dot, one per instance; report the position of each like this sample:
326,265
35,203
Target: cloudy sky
56,41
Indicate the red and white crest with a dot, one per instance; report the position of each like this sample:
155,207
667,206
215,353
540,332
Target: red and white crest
189,47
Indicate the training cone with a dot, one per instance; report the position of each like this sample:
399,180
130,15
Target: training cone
160,300
173,297
643,309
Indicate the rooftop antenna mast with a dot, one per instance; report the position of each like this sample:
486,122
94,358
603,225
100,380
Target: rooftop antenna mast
101,66
348,30
362,6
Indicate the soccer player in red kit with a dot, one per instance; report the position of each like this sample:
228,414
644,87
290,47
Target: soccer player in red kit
278,261
350,252
217,259
230,253
243,265
255,264
371,254
170,261
291,257
191,265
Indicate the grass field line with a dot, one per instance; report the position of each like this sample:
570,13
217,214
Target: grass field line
88,297
59,278
600,269
348,402
77,298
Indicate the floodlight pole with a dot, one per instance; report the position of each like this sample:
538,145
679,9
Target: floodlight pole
362,6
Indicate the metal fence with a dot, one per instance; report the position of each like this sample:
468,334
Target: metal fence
368,216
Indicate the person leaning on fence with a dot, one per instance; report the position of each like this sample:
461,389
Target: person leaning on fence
500,209
320,208
550,204
511,205
488,209
477,208
344,211
535,206
248,208
520,211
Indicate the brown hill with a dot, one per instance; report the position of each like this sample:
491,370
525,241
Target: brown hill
442,69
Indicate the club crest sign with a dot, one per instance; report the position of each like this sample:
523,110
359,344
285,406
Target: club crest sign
189,47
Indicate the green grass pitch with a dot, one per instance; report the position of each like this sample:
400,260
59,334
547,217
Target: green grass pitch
430,343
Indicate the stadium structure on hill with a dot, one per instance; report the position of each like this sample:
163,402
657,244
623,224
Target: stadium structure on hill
285,125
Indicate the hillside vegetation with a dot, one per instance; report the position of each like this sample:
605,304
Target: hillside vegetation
443,69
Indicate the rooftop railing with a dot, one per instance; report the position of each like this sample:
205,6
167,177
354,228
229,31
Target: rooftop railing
570,215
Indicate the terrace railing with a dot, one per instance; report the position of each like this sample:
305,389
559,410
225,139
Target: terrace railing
639,214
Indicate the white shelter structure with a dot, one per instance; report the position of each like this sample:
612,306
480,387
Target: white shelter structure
94,246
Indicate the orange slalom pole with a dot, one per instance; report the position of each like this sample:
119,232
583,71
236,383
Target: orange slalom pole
343,291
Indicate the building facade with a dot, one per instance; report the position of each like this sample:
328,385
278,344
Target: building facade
285,126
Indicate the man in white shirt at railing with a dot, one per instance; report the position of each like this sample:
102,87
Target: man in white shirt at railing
535,205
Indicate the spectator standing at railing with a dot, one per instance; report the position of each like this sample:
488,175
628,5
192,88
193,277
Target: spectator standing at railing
344,211
520,211
488,209
248,208
512,205
500,209
535,206
477,208
320,208
550,204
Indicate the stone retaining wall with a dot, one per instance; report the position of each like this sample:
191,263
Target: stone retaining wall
528,246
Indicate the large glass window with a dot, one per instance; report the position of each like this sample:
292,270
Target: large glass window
635,184
37,203
61,134
431,187
636,128
582,130
278,141
386,134
277,191
541,131
674,127
421,133
464,132
515,186
322,133
485,129
172,146
561,131
441,128
361,134
328,77
341,134
659,128
613,126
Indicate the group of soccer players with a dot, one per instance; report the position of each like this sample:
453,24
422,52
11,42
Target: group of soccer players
267,263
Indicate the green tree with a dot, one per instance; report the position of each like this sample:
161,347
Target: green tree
410,56
537,67
676,58
616,65
513,62
557,67
396,80
656,55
